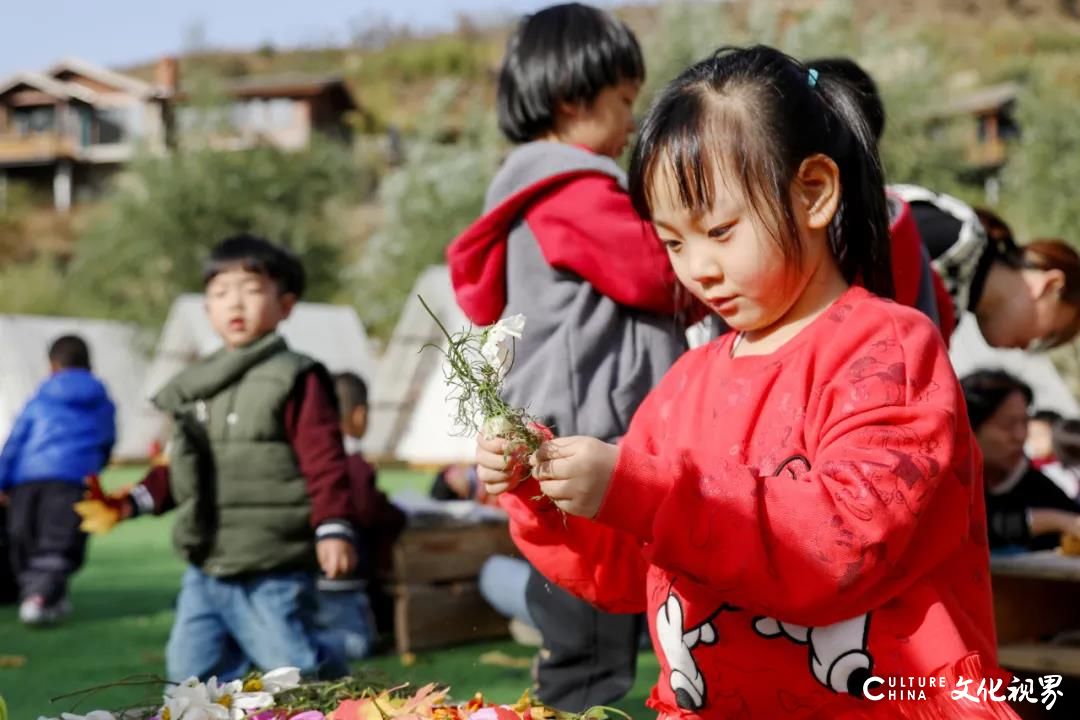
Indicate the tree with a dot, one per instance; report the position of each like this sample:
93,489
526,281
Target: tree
905,69
1044,165
148,244
434,195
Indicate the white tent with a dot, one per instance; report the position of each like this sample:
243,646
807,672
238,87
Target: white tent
969,351
410,411
411,414
116,358
332,334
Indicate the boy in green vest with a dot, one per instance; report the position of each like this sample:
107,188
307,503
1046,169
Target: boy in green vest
257,477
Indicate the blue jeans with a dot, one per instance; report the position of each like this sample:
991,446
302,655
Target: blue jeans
224,626
346,623
502,584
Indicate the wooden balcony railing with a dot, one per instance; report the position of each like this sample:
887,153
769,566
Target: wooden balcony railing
35,147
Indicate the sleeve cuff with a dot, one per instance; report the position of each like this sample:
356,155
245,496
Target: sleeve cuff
636,490
334,529
142,501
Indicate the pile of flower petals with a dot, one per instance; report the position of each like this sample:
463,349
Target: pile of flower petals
256,698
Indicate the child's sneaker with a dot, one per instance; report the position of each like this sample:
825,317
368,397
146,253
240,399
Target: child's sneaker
32,610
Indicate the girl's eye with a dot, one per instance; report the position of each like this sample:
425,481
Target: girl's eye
672,245
720,232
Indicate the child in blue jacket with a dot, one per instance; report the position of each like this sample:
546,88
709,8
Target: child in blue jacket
63,435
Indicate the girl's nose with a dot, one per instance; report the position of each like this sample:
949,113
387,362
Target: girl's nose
703,265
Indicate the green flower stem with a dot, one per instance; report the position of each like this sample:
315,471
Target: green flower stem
475,386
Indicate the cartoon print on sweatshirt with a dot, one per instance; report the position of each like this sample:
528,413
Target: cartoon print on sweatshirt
677,643
838,654
870,377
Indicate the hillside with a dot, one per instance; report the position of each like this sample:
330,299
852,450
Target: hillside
393,71
925,54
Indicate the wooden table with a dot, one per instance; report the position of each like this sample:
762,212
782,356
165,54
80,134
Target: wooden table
1036,596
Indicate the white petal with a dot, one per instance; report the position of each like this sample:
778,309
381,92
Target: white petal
283,678
253,700
182,688
513,325
216,691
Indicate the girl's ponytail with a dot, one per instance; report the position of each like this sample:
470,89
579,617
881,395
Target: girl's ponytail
860,236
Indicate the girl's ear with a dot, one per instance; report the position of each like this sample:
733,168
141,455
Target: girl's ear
817,191
1053,283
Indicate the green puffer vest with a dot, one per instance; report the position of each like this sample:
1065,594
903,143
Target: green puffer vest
242,502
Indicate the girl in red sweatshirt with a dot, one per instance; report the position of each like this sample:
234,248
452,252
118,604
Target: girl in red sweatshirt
798,505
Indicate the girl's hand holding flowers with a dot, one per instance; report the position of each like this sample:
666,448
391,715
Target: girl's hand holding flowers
575,473
493,465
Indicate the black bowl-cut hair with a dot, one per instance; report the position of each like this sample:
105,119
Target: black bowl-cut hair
257,255
565,53
70,352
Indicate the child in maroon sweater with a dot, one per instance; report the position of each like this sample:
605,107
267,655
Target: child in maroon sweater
345,616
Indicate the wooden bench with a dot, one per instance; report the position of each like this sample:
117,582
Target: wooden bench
1041,658
1036,596
437,600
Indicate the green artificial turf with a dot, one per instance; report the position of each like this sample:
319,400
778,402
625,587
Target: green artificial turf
123,608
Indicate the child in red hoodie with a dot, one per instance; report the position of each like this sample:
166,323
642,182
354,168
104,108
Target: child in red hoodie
561,243
798,505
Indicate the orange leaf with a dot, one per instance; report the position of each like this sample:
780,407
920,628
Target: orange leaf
504,713
363,709
422,702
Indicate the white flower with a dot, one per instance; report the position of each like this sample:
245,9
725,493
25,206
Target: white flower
219,690
232,699
92,715
497,340
187,689
190,700
283,678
